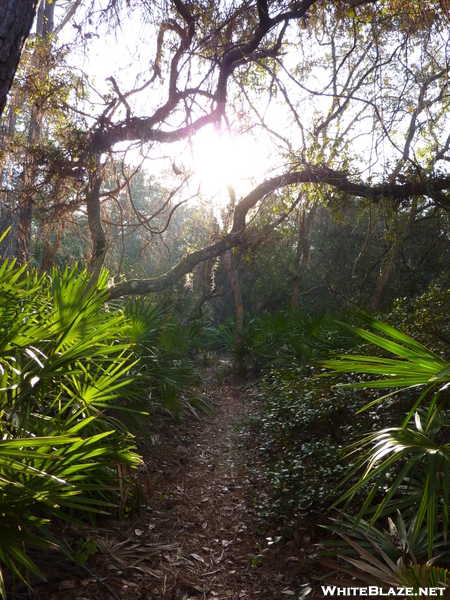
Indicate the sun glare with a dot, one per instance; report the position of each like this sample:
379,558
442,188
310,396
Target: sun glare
220,159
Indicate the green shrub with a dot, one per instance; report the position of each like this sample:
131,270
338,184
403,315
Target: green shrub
162,346
408,466
280,339
299,429
426,318
64,365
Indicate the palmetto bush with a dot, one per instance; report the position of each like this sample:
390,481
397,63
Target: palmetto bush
162,346
281,339
64,365
408,466
384,558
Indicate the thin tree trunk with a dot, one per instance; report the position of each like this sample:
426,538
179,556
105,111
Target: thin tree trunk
236,287
385,276
204,290
302,254
25,211
8,216
44,28
232,273
25,217
99,242
388,269
50,249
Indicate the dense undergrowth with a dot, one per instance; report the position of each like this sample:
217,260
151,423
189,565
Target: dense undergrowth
352,414
78,377
301,427
280,339
371,439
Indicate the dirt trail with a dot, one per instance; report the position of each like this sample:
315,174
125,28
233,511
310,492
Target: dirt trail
199,536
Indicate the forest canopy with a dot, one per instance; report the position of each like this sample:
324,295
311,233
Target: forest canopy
344,106
256,167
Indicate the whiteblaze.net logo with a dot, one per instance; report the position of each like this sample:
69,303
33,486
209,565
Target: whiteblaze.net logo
373,590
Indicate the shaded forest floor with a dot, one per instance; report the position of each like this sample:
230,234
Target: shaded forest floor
200,537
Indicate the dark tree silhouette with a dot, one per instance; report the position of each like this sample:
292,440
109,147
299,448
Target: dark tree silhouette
16,19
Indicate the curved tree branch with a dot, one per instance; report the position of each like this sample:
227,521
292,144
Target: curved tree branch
309,174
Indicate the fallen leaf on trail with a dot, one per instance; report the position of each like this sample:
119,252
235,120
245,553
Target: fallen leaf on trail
130,583
66,585
292,559
197,557
200,589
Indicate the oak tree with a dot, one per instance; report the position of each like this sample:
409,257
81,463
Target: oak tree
352,95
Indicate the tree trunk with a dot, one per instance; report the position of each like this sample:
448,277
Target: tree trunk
236,287
99,242
388,269
204,289
8,216
44,27
8,220
302,254
385,275
25,216
50,249
16,19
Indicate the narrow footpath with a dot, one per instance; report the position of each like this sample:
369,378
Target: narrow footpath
200,537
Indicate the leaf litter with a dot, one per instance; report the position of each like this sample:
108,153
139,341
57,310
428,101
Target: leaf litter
199,536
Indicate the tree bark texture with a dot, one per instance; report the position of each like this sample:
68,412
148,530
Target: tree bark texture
99,242
16,19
